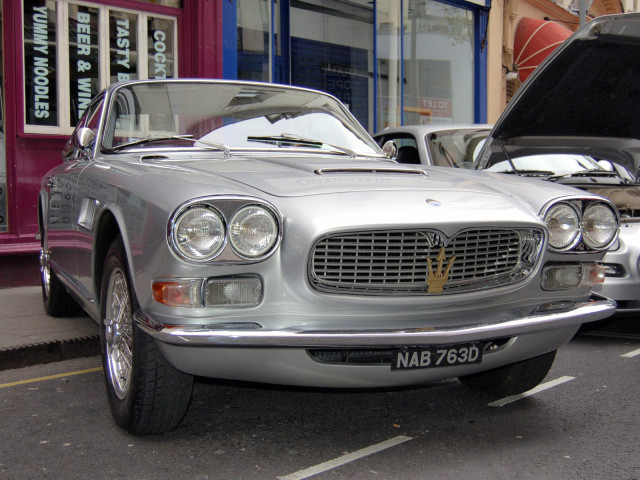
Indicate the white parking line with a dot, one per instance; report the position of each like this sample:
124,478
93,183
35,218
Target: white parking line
631,354
350,457
540,388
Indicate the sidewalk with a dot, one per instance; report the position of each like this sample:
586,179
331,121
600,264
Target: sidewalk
28,336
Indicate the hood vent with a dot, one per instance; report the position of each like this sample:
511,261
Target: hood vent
365,170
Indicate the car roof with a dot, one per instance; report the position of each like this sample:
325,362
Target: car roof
419,130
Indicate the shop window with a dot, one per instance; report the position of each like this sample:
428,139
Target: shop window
40,59
123,46
72,50
84,67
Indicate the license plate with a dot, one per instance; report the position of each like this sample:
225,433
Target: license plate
434,357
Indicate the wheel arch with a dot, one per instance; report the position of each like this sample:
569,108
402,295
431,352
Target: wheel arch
107,229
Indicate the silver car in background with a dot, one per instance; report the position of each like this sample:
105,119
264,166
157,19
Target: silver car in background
256,232
552,131
575,122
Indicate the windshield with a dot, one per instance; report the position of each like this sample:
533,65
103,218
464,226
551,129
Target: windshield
456,147
231,116
559,165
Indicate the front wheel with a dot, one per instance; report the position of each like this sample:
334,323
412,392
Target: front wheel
512,379
146,394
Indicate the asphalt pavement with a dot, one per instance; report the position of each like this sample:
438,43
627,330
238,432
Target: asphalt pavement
31,337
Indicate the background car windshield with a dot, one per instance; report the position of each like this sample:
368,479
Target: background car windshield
238,116
456,148
557,164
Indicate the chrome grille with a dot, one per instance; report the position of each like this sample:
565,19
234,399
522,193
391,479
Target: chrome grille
395,262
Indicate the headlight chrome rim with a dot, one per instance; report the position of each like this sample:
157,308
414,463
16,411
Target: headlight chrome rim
258,220
574,237
227,207
591,227
180,233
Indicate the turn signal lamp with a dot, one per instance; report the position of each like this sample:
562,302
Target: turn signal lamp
561,277
217,292
178,293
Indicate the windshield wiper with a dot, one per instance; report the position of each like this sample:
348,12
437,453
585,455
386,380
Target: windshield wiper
149,139
593,172
295,140
161,138
530,173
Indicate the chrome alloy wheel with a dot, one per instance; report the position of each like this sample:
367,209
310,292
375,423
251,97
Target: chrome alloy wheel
118,333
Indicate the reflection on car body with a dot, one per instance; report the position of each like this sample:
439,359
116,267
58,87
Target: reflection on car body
256,232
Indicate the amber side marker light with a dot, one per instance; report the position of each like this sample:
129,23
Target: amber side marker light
178,293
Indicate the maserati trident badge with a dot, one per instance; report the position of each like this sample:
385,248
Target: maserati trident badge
437,280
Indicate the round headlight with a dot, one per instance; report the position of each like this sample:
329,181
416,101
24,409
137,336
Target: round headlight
599,225
564,225
199,233
253,230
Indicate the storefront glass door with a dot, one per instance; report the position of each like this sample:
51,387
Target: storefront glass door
426,73
254,40
332,50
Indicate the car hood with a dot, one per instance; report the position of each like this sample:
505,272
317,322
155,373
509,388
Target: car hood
305,176
584,99
296,176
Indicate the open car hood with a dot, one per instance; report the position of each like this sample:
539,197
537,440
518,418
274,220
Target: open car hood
584,98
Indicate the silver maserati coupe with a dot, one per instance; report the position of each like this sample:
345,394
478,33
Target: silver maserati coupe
256,232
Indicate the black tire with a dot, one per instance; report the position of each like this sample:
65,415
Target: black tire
512,379
56,299
146,394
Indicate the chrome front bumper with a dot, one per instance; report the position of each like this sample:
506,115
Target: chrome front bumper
204,336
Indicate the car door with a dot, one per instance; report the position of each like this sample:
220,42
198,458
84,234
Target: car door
62,208
87,206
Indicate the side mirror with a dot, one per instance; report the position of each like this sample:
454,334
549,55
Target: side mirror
84,138
390,148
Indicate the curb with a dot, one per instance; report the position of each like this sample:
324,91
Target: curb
49,352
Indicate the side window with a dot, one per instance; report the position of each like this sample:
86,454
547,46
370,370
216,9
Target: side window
405,142
90,119
407,149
